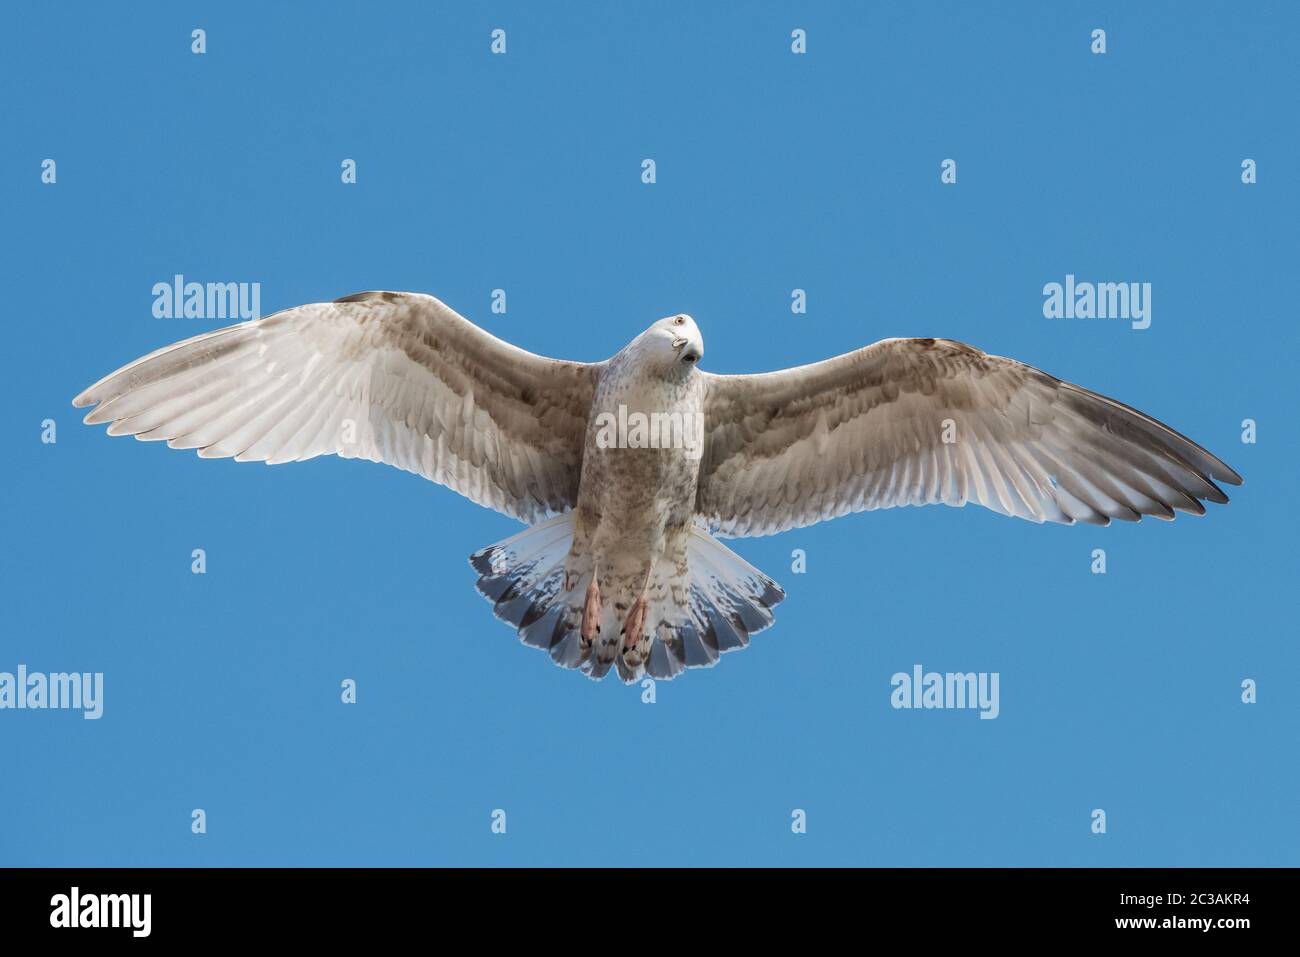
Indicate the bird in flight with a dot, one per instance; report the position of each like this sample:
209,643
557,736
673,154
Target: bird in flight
626,470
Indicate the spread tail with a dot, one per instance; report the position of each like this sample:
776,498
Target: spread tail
689,622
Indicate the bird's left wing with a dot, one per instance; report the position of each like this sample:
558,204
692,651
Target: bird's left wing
390,377
923,421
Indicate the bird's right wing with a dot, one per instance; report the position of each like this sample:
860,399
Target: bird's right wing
922,421
390,377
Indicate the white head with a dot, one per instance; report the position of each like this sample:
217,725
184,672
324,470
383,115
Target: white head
675,339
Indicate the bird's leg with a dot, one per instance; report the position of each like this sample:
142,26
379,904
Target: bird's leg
590,612
634,623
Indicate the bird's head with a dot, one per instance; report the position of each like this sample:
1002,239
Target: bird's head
676,340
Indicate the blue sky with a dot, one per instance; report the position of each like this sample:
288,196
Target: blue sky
775,171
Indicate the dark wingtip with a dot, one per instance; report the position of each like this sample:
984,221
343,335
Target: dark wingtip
1229,475
1216,495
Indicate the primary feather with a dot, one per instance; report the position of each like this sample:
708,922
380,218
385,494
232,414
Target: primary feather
926,421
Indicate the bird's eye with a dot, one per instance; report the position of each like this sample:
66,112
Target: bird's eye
679,320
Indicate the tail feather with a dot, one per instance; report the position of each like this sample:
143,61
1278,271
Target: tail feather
523,576
726,600
537,586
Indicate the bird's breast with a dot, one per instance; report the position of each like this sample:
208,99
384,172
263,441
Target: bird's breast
641,458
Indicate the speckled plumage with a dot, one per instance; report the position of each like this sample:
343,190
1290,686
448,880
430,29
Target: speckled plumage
619,535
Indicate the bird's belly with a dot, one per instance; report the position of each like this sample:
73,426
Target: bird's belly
632,521
634,496
639,472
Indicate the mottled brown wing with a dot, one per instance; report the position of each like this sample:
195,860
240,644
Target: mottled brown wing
925,421
390,377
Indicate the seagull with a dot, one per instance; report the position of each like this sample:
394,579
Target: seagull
620,565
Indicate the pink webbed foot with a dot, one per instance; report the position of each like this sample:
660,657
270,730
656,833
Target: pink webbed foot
634,623
636,643
590,627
